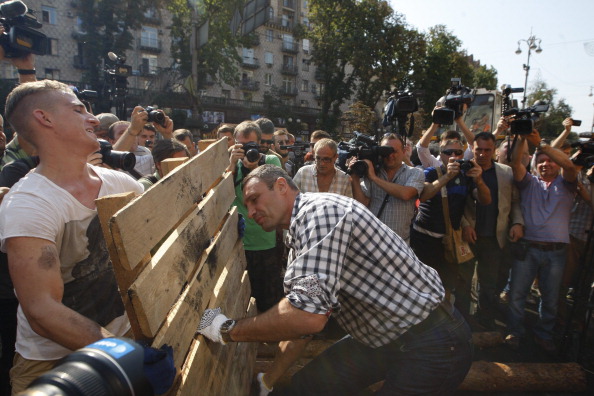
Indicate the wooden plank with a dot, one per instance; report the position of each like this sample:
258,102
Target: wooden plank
169,164
208,361
106,207
142,224
160,284
182,321
205,143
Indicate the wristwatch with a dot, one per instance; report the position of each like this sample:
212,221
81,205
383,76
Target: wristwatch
226,327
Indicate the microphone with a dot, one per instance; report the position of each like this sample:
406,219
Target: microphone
13,9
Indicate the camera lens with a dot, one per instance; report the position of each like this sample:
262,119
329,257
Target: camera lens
252,155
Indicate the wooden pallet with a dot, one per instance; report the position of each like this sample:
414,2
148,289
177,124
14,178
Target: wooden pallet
175,252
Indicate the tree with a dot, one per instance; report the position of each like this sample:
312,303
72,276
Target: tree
550,124
484,77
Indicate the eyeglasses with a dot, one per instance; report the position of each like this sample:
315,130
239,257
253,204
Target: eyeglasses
267,141
452,152
325,160
282,142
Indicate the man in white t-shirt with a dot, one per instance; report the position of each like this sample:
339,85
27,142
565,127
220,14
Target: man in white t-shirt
57,256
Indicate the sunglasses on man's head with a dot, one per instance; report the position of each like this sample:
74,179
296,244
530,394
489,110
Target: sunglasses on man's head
452,152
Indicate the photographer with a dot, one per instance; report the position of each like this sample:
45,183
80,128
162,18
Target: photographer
391,193
264,263
164,148
429,226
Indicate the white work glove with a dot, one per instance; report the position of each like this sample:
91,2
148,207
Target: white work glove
264,390
210,325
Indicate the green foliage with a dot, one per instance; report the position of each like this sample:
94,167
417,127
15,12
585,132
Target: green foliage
484,77
550,124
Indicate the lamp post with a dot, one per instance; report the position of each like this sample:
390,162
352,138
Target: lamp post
532,45
590,95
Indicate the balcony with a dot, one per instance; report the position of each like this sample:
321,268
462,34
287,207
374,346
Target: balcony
289,4
290,70
78,62
285,24
250,63
290,47
78,33
150,45
250,85
288,91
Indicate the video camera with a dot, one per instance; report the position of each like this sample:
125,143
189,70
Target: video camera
400,104
523,120
20,37
154,115
299,149
586,156
111,366
116,159
456,97
364,148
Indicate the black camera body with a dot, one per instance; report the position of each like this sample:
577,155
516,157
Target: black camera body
116,159
155,115
399,105
465,165
364,148
252,151
586,156
523,120
21,37
456,97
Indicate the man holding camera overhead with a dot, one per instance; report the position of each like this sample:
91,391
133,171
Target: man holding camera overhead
264,264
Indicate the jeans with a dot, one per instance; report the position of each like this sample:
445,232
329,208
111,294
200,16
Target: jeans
488,254
433,362
549,267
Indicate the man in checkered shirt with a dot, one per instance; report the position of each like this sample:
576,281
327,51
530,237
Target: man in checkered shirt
346,262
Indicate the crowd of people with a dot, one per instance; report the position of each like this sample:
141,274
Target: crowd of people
324,246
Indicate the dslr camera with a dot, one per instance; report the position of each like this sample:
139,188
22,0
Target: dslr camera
363,147
523,120
155,115
20,35
116,159
456,97
465,165
252,151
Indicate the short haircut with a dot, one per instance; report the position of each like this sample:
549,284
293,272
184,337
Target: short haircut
150,127
166,148
266,126
269,174
246,128
484,136
392,136
225,128
451,141
319,134
280,132
182,134
450,135
112,128
22,100
105,120
326,143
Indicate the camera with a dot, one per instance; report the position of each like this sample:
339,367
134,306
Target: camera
363,147
400,104
576,122
252,151
111,366
465,165
155,115
116,159
456,97
523,120
20,37
85,94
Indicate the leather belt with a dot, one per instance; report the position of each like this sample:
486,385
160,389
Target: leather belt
547,246
443,311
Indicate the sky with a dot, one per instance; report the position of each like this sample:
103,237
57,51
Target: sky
490,30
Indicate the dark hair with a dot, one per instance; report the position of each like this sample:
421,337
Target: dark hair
319,134
266,126
392,136
150,127
182,134
166,148
484,136
450,135
269,174
246,128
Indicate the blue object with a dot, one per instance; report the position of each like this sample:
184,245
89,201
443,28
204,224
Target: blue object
159,368
240,226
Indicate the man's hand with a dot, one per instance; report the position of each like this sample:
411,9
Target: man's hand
165,130
138,119
469,234
567,123
453,168
516,232
95,159
474,172
210,325
370,170
502,126
534,138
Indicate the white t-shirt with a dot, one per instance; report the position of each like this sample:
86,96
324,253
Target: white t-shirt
37,207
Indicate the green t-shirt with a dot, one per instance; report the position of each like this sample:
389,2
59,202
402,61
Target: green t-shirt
255,238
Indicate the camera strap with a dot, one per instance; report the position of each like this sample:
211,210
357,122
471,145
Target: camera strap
135,174
386,199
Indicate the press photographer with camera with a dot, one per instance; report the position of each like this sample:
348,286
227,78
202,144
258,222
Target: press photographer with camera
390,193
453,184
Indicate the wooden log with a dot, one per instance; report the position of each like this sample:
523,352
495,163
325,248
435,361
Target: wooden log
180,326
169,164
525,377
487,339
170,269
138,227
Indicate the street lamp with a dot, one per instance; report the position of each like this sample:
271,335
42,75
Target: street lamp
532,45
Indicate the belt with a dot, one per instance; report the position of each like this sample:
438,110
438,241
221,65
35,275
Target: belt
547,246
443,311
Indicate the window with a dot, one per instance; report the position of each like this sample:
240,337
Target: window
288,84
268,79
48,15
149,64
306,46
52,74
288,61
149,37
270,13
305,66
53,46
269,35
268,58
79,25
304,103
151,13
305,85
248,56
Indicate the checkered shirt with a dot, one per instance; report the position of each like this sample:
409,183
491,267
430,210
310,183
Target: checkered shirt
398,213
581,213
345,261
307,181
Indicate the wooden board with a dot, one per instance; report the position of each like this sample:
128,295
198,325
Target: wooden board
205,143
143,223
170,269
169,164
